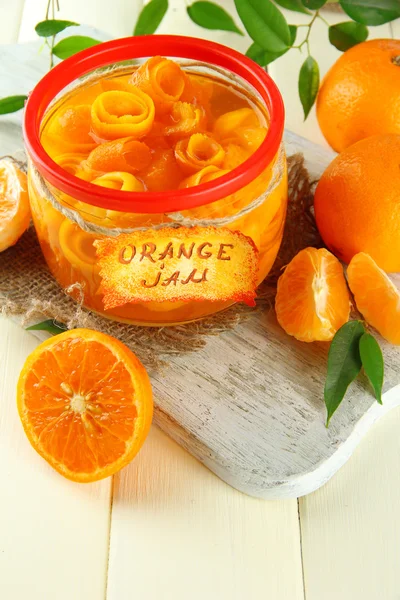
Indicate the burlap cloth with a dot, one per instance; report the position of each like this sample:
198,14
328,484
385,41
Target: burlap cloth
28,290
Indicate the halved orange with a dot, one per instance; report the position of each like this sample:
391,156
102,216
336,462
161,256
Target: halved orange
85,403
376,296
15,212
312,301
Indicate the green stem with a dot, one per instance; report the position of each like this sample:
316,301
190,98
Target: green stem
54,6
307,38
324,20
48,10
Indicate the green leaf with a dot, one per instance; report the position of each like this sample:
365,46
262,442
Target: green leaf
313,4
53,327
295,5
346,35
263,57
71,45
265,24
212,16
150,17
308,84
52,27
11,104
372,12
344,364
372,361
293,33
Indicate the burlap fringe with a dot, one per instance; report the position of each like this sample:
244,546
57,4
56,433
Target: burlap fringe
28,290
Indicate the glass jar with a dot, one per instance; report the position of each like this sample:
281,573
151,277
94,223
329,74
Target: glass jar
71,214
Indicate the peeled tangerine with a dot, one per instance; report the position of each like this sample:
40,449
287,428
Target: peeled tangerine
312,300
376,296
15,213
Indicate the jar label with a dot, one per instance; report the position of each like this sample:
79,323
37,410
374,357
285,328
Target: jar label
185,264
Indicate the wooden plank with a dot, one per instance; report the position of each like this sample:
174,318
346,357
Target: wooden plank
351,527
178,532
11,13
116,18
53,533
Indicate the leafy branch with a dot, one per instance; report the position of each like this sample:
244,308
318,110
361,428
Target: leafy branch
272,36
264,22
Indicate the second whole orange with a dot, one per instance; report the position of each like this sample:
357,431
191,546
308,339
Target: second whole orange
357,202
360,94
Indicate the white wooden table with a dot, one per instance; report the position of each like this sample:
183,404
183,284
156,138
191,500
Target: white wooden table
165,527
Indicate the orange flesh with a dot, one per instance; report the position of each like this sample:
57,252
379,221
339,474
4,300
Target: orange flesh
85,403
312,300
199,122
15,213
376,296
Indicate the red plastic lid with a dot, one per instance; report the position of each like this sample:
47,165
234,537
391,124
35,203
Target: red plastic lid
142,47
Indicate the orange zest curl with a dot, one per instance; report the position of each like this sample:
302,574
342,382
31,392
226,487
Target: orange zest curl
197,152
117,114
126,155
70,131
204,176
70,161
162,79
117,180
184,119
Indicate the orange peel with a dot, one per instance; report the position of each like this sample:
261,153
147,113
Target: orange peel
117,113
162,79
70,129
198,151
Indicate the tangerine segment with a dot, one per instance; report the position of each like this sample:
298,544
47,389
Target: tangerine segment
312,300
376,296
116,114
15,213
85,403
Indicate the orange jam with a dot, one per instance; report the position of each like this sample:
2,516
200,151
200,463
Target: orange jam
153,128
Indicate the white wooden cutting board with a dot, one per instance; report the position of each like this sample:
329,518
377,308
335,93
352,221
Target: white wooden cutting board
250,404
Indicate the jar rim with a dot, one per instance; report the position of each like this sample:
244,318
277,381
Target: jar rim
140,47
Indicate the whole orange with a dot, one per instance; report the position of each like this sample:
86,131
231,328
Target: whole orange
357,202
360,94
